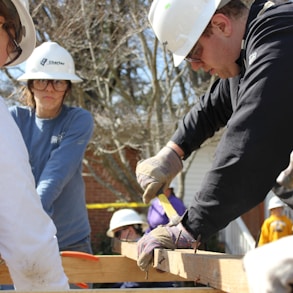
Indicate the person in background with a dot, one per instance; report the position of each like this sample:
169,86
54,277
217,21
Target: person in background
248,48
156,214
28,244
56,137
269,267
128,225
277,225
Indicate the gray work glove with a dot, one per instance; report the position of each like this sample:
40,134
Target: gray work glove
269,267
157,172
162,237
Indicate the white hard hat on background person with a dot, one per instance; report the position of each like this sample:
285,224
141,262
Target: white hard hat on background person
28,41
275,202
178,24
124,217
173,183
50,61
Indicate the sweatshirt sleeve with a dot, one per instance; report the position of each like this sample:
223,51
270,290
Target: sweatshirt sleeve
209,114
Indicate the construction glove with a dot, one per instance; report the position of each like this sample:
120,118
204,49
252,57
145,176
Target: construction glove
162,237
269,267
156,173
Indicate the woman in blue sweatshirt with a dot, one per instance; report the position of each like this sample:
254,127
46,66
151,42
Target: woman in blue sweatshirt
56,137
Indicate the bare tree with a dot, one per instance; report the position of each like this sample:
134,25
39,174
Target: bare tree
131,86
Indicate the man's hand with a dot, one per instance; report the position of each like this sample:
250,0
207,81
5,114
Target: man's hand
165,237
157,172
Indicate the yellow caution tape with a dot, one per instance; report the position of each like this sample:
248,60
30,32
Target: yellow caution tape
116,205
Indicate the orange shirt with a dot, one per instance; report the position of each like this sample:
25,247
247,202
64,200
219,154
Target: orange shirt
274,228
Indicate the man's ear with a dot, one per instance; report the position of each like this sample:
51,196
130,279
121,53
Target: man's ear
221,24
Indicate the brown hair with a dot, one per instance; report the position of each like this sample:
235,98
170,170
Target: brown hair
233,9
12,20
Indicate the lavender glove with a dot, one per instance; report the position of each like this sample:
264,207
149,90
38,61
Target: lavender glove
157,172
161,237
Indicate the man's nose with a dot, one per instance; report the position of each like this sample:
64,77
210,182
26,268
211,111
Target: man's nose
196,65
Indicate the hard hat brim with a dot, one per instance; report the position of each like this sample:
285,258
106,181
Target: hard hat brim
28,41
200,25
42,75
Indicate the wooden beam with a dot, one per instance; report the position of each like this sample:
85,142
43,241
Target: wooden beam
128,249
108,269
112,269
218,270
4,273
221,271
135,290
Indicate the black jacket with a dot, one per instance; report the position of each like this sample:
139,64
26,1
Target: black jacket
257,109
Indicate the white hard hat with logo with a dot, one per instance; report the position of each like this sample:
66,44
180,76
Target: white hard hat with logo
28,40
124,217
50,61
275,202
178,24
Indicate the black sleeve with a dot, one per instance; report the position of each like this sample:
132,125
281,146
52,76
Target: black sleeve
207,116
258,140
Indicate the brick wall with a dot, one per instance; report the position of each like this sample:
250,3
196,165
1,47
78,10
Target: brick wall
96,193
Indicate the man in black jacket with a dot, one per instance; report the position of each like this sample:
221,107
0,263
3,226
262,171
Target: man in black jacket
250,50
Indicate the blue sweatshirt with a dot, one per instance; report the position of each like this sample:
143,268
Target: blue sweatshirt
56,148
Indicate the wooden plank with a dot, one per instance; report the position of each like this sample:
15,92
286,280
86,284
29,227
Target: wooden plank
135,290
109,269
218,270
4,273
128,249
221,271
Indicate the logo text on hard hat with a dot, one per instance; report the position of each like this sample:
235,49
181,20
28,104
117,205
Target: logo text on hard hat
43,61
51,62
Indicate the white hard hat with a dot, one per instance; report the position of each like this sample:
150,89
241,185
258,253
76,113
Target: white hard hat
124,217
173,183
50,61
275,202
28,41
178,24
